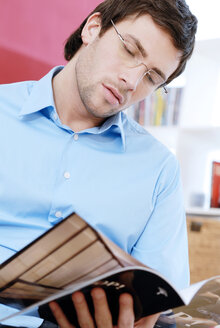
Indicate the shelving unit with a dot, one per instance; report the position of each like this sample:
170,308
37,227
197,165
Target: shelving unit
198,211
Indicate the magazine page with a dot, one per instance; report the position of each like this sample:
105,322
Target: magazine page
202,312
189,292
70,252
124,258
72,255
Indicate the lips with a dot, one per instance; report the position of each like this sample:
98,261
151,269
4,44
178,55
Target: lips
112,95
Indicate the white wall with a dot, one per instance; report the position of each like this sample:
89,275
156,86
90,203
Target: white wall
200,102
199,134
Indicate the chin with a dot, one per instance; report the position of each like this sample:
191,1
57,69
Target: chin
103,114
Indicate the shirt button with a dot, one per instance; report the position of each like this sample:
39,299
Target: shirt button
58,214
76,137
66,175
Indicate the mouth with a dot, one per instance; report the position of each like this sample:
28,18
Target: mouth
112,95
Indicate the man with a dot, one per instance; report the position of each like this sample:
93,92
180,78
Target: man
68,147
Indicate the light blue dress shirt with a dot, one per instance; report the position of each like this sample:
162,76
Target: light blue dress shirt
117,177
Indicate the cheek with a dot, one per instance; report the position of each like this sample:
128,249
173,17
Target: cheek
107,59
140,93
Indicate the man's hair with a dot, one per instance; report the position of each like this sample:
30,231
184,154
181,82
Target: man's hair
173,16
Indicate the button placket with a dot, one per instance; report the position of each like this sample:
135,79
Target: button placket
66,175
76,137
58,211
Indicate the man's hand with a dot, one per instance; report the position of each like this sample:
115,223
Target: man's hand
103,317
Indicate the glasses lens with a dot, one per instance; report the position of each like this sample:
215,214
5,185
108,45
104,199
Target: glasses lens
130,54
155,78
132,57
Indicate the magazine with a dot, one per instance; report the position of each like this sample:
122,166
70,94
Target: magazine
74,256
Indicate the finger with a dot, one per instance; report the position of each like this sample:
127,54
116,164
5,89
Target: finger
83,315
103,316
126,311
59,316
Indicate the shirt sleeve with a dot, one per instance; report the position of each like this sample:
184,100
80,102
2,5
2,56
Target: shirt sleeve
19,320
163,244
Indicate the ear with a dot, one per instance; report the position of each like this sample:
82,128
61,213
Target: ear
91,29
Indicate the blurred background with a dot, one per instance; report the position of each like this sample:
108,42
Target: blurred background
32,35
187,120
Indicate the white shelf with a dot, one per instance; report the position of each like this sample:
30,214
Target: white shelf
215,212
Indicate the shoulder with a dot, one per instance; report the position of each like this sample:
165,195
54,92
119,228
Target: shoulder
131,127
139,139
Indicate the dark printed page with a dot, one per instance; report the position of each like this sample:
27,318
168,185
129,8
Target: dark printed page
151,294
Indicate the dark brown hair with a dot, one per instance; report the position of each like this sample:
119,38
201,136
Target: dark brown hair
173,16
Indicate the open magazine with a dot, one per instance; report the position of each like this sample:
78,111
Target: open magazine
73,256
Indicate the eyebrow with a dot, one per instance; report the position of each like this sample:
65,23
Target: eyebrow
160,73
144,54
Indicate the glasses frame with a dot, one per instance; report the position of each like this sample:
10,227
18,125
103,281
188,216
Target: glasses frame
148,70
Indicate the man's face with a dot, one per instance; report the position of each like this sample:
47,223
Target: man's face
106,82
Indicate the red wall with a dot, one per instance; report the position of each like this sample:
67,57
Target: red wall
32,35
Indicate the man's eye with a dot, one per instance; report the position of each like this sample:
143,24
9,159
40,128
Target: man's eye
130,50
149,78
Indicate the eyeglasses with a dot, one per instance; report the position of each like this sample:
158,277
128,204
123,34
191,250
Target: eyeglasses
132,57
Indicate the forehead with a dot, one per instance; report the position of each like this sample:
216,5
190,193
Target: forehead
156,42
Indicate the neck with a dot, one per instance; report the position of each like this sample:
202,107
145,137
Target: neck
68,103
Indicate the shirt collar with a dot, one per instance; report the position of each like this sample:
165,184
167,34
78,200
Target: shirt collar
41,96
117,121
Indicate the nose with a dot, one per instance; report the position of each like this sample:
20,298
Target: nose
131,77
